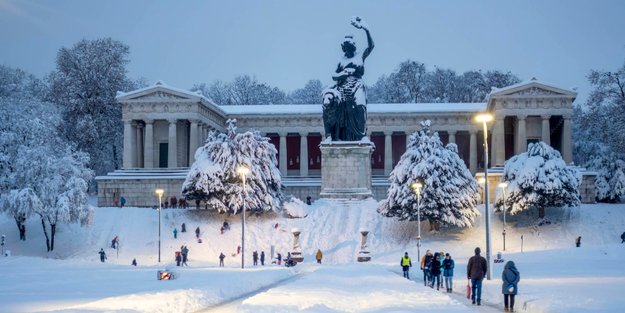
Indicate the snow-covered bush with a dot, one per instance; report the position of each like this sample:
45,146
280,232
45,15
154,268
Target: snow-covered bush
610,182
213,177
539,178
449,195
295,208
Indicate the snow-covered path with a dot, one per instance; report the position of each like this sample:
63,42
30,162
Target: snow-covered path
350,288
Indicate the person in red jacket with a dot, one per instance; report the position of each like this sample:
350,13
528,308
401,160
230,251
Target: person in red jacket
476,270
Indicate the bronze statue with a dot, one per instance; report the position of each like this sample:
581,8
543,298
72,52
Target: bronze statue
345,104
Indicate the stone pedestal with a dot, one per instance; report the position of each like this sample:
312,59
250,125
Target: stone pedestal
346,169
364,255
296,254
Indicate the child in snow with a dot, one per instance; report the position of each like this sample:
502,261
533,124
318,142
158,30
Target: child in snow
122,201
197,232
134,262
623,238
279,258
185,255
578,241
102,255
178,258
318,256
262,258
183,228
114,242
255,258
175,233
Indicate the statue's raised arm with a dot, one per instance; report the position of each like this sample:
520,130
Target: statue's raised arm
360,24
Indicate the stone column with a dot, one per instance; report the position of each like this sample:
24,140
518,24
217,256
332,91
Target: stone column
303,154
139,147
172,154
452,136
388,152
546,131
499,142
127,157
282,152
193,140
473,151
567,148
521,133
148,145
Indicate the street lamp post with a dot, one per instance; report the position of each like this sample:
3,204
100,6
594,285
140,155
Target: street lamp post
503,189
417,189
243,170
159,192
483,118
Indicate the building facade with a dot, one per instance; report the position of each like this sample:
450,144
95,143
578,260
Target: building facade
164,126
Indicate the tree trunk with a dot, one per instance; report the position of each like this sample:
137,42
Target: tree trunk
434,225
45,232
541,211
52,233
21,227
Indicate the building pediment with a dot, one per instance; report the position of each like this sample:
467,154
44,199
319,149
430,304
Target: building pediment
159,92
532,88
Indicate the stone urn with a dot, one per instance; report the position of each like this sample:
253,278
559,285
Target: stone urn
364,255
296,253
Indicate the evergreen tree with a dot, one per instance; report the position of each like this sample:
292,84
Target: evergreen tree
539,178
449,195
213,177
610,182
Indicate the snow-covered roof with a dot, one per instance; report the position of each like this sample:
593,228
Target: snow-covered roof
161,86
371,108
529,84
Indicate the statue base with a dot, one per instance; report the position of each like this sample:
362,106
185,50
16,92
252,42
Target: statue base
364,256
346,169
297,256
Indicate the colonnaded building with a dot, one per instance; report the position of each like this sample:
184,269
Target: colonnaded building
164,126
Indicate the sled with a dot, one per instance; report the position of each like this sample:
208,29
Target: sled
468,291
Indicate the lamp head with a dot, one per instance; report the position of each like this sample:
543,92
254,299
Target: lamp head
160,192
483,117
502,185
481,180
416,186
243,170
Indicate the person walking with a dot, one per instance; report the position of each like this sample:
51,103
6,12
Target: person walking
510,277
319,256
406,263
183,228
185,256
279,258
262,258
102,255
197,232
221,259
578,241
623,237
448,272
436,272
441,258
476,270
134,262
122,201
426,263
255,258
175,233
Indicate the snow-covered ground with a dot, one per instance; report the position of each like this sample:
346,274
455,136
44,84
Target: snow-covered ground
555,276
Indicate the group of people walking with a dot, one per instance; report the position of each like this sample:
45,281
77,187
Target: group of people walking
439,263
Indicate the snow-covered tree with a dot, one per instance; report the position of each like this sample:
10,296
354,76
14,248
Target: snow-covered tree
539,178
213,176
450,194
85,83
309,94
242,90
610,182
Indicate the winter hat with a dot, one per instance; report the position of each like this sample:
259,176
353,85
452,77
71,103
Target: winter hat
446,254
478,250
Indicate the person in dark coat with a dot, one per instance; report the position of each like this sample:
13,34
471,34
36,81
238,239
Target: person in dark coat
426,264
134,262
406,264
510,277
183,228
623,237
448,272
308,200
436,271
185,255
175,233
102,255
255,258
197,232
279,258
262,258
122,201
476,270
221,259
178,258
578,241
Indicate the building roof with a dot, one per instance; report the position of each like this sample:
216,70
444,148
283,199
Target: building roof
371,108
529,84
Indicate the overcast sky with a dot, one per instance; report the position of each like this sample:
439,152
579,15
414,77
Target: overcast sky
286,43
